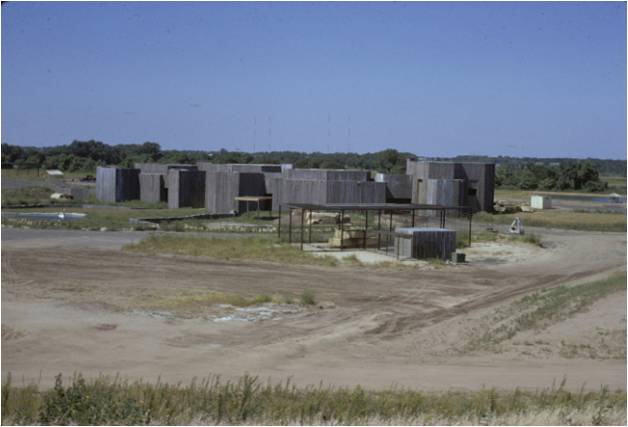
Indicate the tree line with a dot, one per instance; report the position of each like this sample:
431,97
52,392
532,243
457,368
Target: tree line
527,173
567,175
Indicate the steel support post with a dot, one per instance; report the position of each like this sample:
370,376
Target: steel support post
279,224
302,227
310,230
366,227
390,227
290,225
379,229
470,220
342,229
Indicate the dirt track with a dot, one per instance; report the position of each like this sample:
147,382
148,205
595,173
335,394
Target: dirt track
68,306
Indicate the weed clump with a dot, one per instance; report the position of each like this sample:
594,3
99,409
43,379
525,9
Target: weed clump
307,297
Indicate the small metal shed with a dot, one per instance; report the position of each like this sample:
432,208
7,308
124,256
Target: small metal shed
424,242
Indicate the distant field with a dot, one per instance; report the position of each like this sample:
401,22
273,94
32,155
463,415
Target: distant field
614,180
33,173
572,220
35,195
616,183
524,195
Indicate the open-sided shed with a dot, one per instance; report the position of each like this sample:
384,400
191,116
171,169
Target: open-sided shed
378,219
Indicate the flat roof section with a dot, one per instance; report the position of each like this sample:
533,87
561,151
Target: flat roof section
371,206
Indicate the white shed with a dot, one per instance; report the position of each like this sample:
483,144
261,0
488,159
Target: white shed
540,202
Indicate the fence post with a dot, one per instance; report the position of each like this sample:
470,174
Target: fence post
470,220
379,229
342,229
366,227
279,224
290,225
302,227
310,230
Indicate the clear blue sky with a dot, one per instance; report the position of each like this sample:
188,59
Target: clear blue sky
435,79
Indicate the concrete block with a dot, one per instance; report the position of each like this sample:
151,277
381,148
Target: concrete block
153,188
117,184
398,187
445,192
186,188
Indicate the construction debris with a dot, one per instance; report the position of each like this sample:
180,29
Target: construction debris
505,206
516,227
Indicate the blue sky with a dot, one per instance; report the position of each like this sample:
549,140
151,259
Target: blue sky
435,79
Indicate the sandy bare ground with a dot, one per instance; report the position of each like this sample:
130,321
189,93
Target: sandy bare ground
76,303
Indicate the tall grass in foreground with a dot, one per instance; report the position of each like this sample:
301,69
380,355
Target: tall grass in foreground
255,248
251,401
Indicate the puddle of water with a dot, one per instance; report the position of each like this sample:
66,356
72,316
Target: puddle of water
154,314
253,314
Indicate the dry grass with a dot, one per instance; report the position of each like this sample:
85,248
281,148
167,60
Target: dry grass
206,299
251,401
539,310
26,196
255,248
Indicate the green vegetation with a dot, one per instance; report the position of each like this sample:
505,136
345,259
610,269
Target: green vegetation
307,297
111,218
571,220
542,309
568,175
254,248
27,196
462,240
86,155
561,173
251,401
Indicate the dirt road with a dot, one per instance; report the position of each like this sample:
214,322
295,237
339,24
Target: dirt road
76,303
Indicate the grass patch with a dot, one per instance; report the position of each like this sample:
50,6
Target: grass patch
586,221
110,218
208,299
200,300
41,174
616,184
254,248
250,401
27,196
541,309
307,297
